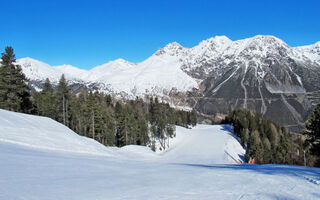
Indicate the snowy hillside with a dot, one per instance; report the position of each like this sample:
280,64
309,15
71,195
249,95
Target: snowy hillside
38,71
311,51
42,159
158,75
44,133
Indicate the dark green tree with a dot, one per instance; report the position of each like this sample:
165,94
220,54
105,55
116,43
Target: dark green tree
45,101
14,92
313,131
193,117
264,140
63,97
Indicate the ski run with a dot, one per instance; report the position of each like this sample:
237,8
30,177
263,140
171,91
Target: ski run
43,159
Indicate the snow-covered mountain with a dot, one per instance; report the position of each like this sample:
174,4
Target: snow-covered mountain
158,75
42,159
311,51
262,73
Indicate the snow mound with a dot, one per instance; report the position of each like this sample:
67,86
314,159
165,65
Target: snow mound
44,133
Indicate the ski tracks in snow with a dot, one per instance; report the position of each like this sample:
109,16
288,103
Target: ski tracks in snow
219,86
311,179
244,87
263,104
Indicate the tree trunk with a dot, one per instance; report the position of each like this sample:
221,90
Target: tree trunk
63,111
92,118
126,135
67,122
79,126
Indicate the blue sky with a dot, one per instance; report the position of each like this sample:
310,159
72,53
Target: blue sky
92,32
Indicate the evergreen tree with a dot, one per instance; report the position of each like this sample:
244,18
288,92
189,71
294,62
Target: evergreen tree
14,92
92,104
193,117
45,101
265,141
313,131
122,125
108,100
63,97
143,138
94,115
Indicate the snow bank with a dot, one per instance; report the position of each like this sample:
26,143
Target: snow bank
44,133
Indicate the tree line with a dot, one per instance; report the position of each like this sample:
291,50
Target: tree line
266,142
111,122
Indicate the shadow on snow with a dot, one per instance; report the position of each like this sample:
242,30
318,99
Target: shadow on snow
309,174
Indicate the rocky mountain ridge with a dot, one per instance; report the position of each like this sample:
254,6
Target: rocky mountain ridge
261,73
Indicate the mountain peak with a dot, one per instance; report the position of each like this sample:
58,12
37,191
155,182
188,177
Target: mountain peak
267,40
120,60
259,45
219,38
217,43
173,45
28,59
172,49
317,44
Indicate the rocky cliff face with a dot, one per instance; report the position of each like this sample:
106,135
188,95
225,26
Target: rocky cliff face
261,73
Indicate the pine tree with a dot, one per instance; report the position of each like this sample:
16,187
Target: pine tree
108,100
193,117
14,92
313,131
45,101
122,125
92,104
143,132
63,96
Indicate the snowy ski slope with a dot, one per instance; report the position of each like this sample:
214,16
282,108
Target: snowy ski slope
42,159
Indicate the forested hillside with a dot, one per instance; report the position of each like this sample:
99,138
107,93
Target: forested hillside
110,121
266,142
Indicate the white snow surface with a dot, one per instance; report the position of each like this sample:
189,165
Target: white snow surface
72,72
37,70
42,159
44,133
311,51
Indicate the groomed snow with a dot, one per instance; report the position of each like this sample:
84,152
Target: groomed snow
41,159
204,144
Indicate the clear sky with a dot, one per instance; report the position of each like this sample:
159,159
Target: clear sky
92,32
